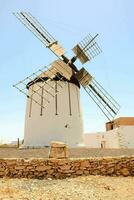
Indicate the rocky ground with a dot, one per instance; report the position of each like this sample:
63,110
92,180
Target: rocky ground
73,153
80,188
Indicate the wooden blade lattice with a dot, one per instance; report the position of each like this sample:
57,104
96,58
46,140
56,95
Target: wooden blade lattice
40,32
87,49
44,79
103,99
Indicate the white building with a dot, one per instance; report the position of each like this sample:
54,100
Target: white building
119,134
61,119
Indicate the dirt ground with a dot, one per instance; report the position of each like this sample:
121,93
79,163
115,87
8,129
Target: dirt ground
80,188
73,152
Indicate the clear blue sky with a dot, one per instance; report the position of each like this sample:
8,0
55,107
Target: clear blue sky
69,21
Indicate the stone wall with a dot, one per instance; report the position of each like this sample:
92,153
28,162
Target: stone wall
62,168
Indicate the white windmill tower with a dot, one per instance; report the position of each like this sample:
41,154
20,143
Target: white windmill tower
53,109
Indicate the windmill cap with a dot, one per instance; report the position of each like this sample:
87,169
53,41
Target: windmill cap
57,71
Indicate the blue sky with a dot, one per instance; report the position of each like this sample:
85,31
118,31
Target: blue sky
68,21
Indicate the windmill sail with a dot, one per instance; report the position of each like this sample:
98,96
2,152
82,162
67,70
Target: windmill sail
43,82
87,49
40,32
100,96
84,51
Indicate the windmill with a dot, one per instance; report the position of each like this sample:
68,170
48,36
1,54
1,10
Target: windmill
53,109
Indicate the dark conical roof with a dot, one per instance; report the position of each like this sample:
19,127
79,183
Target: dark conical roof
58,71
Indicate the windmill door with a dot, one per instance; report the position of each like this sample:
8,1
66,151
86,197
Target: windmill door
103,144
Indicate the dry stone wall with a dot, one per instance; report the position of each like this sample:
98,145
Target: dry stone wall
62,168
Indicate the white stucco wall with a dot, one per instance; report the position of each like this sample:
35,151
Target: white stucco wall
96,140
121,137
126,135
66,127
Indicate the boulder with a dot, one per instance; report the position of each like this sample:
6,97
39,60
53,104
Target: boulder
124,172
58,150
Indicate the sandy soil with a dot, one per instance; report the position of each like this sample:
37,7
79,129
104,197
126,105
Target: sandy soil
80,188
74,152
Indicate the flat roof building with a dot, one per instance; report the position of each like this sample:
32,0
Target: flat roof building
121,121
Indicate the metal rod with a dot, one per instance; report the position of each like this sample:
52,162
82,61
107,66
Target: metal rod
97,103
101,98
107,93
36,28
113,103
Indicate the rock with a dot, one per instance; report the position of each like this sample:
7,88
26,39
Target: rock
30,167
65,167
85,164
95,172
2,169
68,172
50,179
51,171
124,172
43,168
132,172
57,144
1,173
20,167
58,150
79,172
107,187
86,172
63,162
110,171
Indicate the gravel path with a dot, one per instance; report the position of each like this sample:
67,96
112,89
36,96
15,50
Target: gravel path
80,188
74,152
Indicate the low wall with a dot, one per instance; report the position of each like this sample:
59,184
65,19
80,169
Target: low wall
62,168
